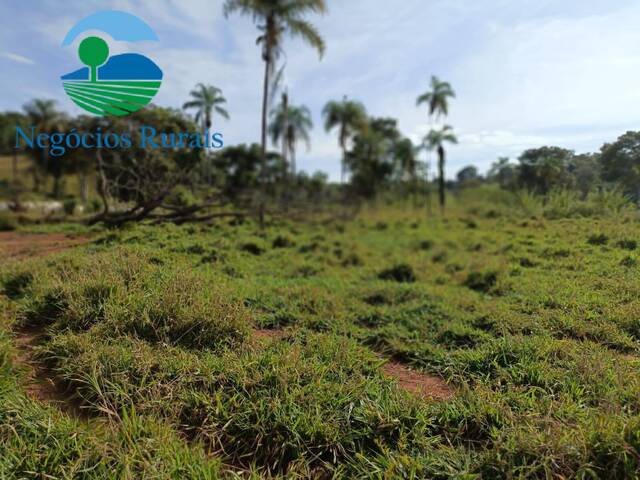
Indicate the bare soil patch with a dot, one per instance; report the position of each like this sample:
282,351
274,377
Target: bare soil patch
18,246
417,383
40,383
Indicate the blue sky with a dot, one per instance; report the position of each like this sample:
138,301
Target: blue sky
526,72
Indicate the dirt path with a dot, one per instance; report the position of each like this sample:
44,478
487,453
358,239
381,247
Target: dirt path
16,246
418,383
40,383
412,381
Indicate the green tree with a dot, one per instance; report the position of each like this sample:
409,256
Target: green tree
468,176
206,99
290,124
435,140
371,160
350,117
542,169
621,162
46,118
585,171
503,172
437,98
274,19
240,167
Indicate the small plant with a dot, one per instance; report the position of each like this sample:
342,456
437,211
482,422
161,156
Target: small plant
628,244
402,273
482,281
252,248
69,206
425,245
598,239
629,261
283,242
8,222
352,260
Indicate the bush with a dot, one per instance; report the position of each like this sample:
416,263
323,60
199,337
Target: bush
481,281
8,222
69,206
252,248
283,242
598,239
628,244
402,273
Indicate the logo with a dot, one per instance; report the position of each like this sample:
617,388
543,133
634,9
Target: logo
111,85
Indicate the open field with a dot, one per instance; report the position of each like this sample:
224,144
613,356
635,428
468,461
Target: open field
481,345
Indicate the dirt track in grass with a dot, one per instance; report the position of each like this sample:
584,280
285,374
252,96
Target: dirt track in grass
42,386
19,246
40,383
417,383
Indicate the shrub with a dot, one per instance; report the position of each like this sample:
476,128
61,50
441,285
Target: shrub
252,248
69,206
16,284
598,239
8,222
629,261
402,273
283,242
628,244
481,281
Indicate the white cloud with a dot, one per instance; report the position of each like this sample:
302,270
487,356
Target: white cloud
16,58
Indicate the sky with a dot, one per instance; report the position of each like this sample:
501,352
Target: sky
527,73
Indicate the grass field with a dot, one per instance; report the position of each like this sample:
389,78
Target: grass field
223,351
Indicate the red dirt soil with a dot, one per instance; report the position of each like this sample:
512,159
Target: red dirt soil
17,246
417,383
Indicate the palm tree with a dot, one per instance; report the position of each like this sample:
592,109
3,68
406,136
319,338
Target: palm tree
207,99
437,98
435,140
290,124
44,116
14,119
275,18
350,117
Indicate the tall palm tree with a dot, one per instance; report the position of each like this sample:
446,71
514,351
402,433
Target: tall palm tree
435,140
274,19
206,99
290,124
437,98
44,116
350,117
13,120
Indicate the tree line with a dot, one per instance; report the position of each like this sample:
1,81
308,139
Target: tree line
375,156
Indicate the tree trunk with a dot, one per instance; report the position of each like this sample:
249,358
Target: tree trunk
265,96
56,186
208,161
14,167
343,145
293,164
102,184
285,130
84,187
441,178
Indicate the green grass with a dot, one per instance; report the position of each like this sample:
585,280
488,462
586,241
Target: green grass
531,320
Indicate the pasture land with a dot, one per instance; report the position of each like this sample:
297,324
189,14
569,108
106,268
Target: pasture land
480,345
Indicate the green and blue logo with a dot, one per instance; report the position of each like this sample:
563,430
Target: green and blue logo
111,85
